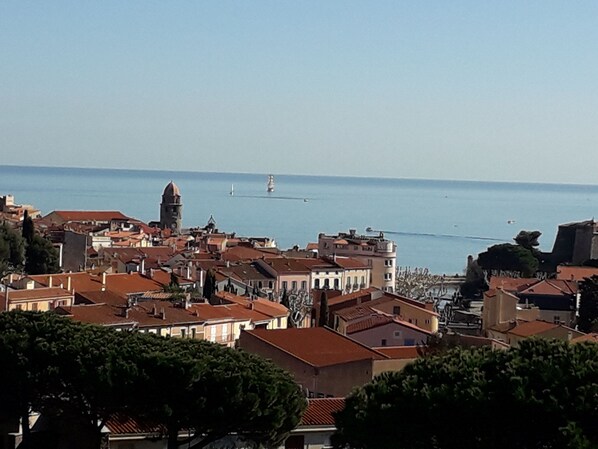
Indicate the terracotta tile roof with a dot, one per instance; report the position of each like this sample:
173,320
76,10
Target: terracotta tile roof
350,263
125,284
320,412
288,266
591,337
365,295
208,312
80,281
89,215
529,328
100,297
265,306
316,346
399,352
571,273
552,287
243,253
120,424
511,284
141,314
311,246
381,320
38,293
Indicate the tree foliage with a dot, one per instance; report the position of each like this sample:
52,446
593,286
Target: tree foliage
324,314
543,394
84,374
41,257
588,304
528,239
12,250
509,257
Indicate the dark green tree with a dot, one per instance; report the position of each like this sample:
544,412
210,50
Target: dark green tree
83,374
509,257
12,250
588,304
324,315
543,394
284,299
28,229
528,239
475,280
41,257
209,286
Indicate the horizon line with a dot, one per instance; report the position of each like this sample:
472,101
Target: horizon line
302,175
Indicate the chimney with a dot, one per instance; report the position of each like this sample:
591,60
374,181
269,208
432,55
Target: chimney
188,271
126,312
143,265
162,313
68,283
6,298
50,281
154,310
104,282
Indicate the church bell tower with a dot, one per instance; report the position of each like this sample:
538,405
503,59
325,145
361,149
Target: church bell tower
171,208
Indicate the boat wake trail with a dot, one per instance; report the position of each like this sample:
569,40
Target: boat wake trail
272,197
442,236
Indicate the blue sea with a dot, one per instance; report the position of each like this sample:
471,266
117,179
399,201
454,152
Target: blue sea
436,224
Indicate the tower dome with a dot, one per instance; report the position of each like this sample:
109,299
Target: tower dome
171,190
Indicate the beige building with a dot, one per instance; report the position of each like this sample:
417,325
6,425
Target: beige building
377,252
36,300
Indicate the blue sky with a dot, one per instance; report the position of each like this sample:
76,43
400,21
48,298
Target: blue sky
504,90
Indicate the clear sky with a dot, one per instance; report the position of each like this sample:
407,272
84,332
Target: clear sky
485,90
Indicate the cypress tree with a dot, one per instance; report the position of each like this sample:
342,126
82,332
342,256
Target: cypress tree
323,320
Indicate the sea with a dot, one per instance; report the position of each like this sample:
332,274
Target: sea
436,224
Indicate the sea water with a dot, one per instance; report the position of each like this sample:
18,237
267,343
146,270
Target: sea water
436,224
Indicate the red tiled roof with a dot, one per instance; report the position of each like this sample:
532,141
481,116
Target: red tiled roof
350,263
288,266
365,295
552,287
90,215
265,306
399,352
37,293
320,412
529,328
591,337
381,320
511,284
120,424
316,346
570,273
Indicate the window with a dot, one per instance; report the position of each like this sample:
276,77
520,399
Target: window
326,283
18,306
388,263
303,285
427,321
193,332
387,276
556,319
270,285
285,285
383,342
34,306
336,284
317,283
409,342
279,322
397,334
294,285
396,310
183,333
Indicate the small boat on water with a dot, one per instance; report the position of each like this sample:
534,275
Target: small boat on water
232,190
270,186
